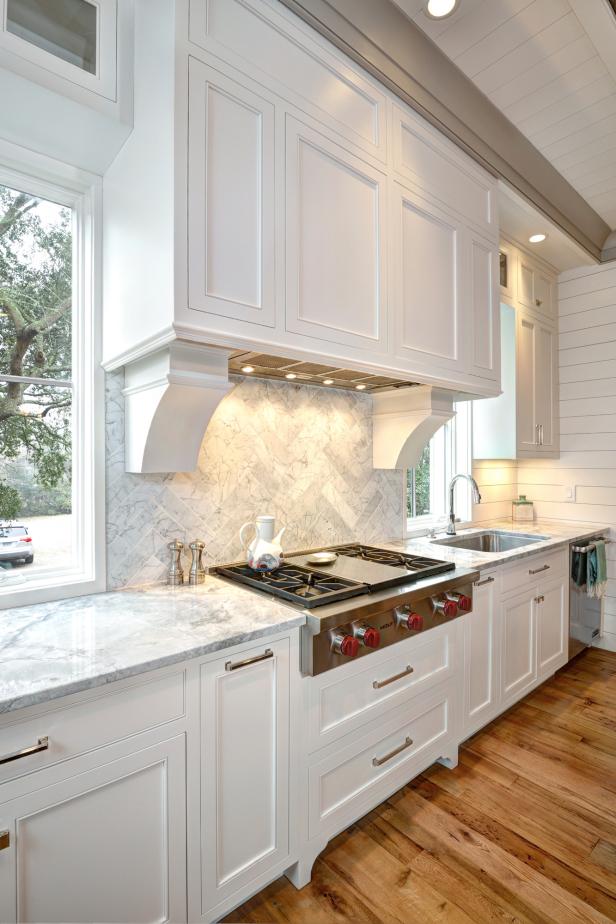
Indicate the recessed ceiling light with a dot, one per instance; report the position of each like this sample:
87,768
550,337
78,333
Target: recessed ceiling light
248,368
290,375
360,387
328,381
439,9
537,238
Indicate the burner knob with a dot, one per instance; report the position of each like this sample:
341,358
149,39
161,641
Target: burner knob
368,636
346,645
448,608
463,602
407,619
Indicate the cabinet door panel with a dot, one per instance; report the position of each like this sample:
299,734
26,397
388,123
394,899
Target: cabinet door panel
525,366
107,845
544,294
231,198
526,282
335,242
484,315
518,646
481,655
245,757
545,384
552,638
427,255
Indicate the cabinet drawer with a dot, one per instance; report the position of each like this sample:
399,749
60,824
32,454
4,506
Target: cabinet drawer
75,729
533,569
350,781
341,702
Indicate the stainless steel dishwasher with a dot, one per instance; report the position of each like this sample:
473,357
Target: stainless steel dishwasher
584,611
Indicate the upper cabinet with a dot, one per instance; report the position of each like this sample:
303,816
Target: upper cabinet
299,208
73,39
523,421
69,64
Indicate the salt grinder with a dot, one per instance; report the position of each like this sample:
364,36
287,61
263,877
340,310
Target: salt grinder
175,575
197,571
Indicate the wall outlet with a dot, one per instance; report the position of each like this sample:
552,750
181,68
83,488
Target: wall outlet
570,493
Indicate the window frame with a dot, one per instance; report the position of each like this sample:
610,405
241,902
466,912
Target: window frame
81,192
456,458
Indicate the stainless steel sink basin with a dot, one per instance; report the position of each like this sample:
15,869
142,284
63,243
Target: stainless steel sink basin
492,540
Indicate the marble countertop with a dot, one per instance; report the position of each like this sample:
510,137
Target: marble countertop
52,649
561,533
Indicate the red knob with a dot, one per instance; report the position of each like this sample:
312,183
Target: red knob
464,603
415,622
370,637
347,645
450,608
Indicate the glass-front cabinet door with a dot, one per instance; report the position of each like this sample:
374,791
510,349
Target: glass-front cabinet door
75,39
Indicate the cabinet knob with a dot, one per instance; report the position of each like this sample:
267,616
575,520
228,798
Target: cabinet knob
5,840
538,302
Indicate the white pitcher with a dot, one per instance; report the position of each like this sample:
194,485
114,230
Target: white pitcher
264,551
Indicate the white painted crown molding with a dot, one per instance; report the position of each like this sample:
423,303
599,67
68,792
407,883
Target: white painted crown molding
170,397
404,421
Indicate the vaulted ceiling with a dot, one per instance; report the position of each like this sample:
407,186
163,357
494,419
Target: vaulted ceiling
550,66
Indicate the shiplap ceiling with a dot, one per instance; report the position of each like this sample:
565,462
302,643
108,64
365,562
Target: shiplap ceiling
550,66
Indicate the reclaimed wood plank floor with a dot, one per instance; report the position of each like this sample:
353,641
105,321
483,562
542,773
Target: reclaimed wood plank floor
523,830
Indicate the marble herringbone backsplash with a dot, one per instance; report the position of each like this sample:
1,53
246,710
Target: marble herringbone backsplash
301,453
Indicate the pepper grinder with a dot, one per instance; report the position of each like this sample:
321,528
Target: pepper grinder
175,575
197,571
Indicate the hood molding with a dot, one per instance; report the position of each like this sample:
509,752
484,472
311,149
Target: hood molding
404,421
170,397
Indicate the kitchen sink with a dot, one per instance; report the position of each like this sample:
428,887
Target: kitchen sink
493,540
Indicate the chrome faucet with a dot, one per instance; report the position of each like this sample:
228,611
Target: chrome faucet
451,526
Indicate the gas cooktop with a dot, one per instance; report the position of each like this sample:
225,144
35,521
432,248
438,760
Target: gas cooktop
358,569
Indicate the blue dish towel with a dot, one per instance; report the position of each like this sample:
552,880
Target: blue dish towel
596,570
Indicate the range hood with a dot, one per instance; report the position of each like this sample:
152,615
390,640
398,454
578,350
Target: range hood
171,395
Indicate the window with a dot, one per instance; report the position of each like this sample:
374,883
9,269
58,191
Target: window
447,454
51,476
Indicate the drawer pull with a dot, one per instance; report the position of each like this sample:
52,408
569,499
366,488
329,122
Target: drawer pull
377,761
5,840
377,684
538,570
539,599
487,580
41,745
235,665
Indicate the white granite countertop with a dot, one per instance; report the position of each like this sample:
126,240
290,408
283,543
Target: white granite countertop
561,533
52,649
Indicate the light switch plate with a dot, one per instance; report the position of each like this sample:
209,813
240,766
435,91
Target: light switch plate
570,493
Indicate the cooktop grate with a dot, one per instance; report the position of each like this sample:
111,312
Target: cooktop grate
299,585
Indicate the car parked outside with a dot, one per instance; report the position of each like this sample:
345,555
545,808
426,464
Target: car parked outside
15,545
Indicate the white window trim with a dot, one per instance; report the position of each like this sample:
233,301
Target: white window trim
461,462
80,191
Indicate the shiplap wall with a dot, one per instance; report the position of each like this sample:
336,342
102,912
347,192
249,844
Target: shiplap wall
587,367
498,486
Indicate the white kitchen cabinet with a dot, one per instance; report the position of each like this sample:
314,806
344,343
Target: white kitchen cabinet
244,769
518,667
336,239
75,41
231,199
537,387
507,257
552,626
105,843
481,654
536,287
481,312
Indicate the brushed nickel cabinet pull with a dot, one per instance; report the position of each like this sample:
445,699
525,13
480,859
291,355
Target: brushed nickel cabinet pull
487,580
541,434
377,761
41,745
538,302
377,684
538,570
235,665
5,840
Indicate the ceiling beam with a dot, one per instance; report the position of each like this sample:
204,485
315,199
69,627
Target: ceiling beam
378,36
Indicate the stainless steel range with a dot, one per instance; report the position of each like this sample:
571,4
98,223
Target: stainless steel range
366,599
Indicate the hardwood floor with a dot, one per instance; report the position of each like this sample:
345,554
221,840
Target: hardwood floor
524,829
